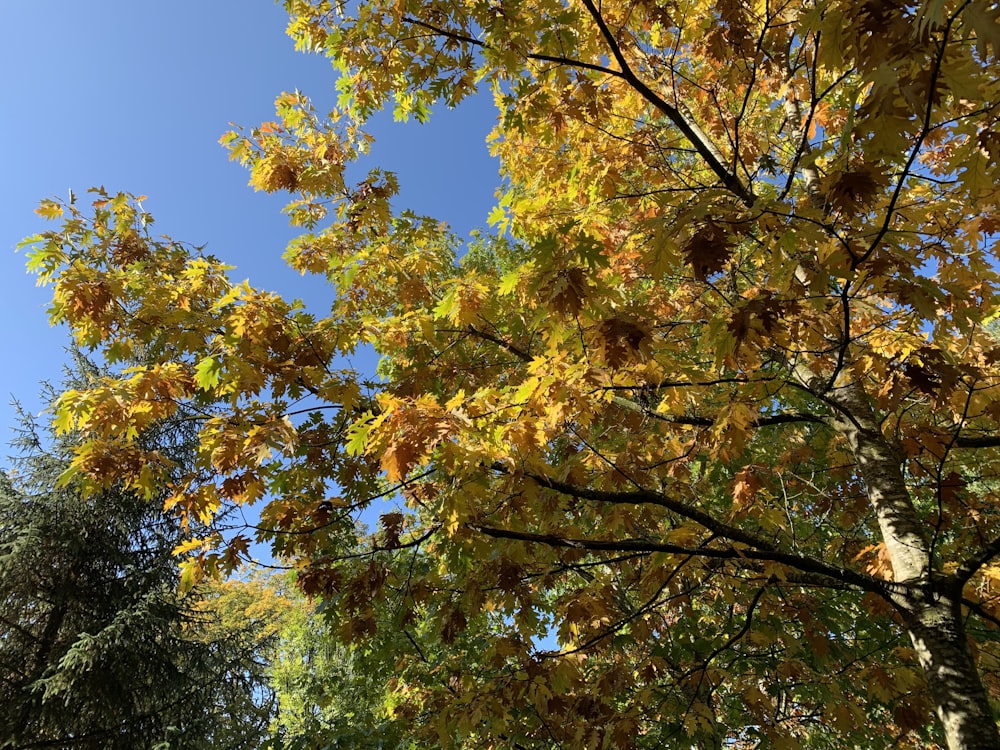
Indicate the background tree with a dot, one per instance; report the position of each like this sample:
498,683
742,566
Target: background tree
97,650
328,695
718,416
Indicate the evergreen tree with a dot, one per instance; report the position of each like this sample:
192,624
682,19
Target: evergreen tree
97,648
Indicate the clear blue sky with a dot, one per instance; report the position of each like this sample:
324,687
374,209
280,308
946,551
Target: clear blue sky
133,95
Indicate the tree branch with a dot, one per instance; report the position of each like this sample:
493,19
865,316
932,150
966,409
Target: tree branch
758,549
978,609
918,144
747,624
503,344
697,137
694,134
968,568
465,39
983,441
634,406
773,419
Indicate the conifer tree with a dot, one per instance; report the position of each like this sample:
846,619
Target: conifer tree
97,649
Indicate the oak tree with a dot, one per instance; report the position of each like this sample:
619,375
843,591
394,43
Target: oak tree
700,448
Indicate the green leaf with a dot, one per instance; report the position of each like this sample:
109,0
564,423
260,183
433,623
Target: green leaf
448,306
357,435
208,373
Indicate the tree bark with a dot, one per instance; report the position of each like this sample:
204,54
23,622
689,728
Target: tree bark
938,635
931,612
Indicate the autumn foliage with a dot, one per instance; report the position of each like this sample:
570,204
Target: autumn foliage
699,447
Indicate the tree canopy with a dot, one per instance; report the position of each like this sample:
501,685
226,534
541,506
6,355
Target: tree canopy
698,447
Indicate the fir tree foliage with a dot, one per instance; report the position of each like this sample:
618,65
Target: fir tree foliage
97,649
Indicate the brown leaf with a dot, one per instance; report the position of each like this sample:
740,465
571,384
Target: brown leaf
989,144
128,249
745,488
566,290
508,575
452,625
623,341
761,314
855,189
708,250
392,525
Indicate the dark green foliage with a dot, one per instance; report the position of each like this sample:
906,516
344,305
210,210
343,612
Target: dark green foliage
97,650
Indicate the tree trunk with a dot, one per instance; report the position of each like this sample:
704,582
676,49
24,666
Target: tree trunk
933,619
30,699
936,629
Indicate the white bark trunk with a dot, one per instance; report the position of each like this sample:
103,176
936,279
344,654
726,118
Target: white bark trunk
938,636
932,617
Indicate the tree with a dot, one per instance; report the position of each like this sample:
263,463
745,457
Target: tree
328,695
97,650
701,449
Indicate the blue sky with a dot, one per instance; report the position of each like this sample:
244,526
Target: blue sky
134,95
